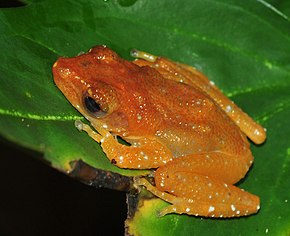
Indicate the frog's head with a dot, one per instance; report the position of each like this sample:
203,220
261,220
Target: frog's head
105,88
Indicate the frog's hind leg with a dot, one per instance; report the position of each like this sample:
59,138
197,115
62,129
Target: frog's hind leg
202,196
202,184
190,75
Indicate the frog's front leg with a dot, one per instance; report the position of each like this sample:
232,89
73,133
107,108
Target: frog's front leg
142,154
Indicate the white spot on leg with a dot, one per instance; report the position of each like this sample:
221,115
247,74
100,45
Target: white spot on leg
102,140
121,159
229,108
233,207
256,132
211,209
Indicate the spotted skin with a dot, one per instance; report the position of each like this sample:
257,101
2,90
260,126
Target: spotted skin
178,123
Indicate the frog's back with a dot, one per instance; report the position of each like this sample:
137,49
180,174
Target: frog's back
189,120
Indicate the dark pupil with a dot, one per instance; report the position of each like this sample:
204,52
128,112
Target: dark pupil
91,105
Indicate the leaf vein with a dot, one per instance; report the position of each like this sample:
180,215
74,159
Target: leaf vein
31,116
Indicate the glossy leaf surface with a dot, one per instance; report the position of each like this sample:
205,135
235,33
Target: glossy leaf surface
243,46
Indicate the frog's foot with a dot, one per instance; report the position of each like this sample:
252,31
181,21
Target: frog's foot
139,181
162,195
98,137
225,201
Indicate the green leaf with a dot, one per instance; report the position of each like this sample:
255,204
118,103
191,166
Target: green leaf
243,46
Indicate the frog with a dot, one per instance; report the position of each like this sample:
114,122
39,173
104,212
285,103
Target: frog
176,123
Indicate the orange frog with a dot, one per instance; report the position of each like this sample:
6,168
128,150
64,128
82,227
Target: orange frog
178,123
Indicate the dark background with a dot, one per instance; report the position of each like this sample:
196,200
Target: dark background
36,199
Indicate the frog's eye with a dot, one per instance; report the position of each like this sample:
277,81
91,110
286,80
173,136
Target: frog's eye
93,107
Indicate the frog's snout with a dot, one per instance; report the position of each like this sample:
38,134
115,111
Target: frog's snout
61,71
